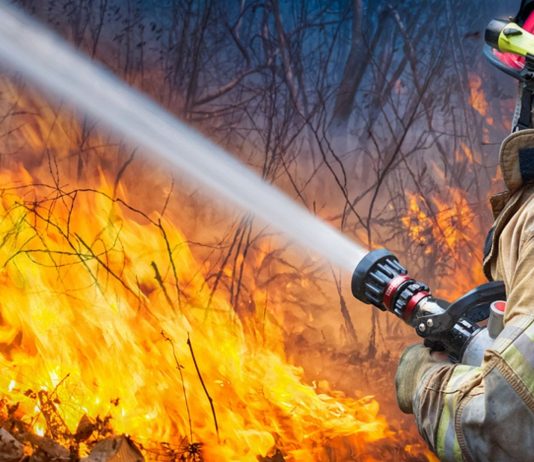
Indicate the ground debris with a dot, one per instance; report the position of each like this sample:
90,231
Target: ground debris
85,428
117,449
276,457
11,450
46,449
184,452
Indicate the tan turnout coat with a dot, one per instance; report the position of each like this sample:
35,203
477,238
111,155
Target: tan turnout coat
486,413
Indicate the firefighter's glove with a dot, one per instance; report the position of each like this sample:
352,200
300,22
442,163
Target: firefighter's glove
414,362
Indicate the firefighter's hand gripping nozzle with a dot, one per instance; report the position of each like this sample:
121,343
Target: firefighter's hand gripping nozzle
380,280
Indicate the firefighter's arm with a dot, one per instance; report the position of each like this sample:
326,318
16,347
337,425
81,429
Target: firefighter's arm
415,363
487,412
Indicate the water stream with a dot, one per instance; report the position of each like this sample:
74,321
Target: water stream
50,62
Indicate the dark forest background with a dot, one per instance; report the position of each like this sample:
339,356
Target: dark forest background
381,117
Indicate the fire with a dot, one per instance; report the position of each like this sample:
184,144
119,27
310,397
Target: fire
477,97
465,153
84,316
418,224
107,323
86,319
445,231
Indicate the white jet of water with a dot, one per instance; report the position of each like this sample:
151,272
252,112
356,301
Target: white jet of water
49,61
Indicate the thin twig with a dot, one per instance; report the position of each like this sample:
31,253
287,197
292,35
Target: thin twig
180,367
157,276
204,387
173,265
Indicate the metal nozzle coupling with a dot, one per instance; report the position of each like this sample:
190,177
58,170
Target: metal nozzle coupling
380,280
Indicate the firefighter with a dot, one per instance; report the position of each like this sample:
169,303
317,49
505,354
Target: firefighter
486,413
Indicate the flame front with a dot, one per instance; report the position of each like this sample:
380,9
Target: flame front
98,304
106,317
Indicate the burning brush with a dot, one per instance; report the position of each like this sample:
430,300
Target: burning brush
83,358
108,326
232,397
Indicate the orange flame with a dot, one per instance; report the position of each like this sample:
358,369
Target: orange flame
447,230
83,312
477,98
106,312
